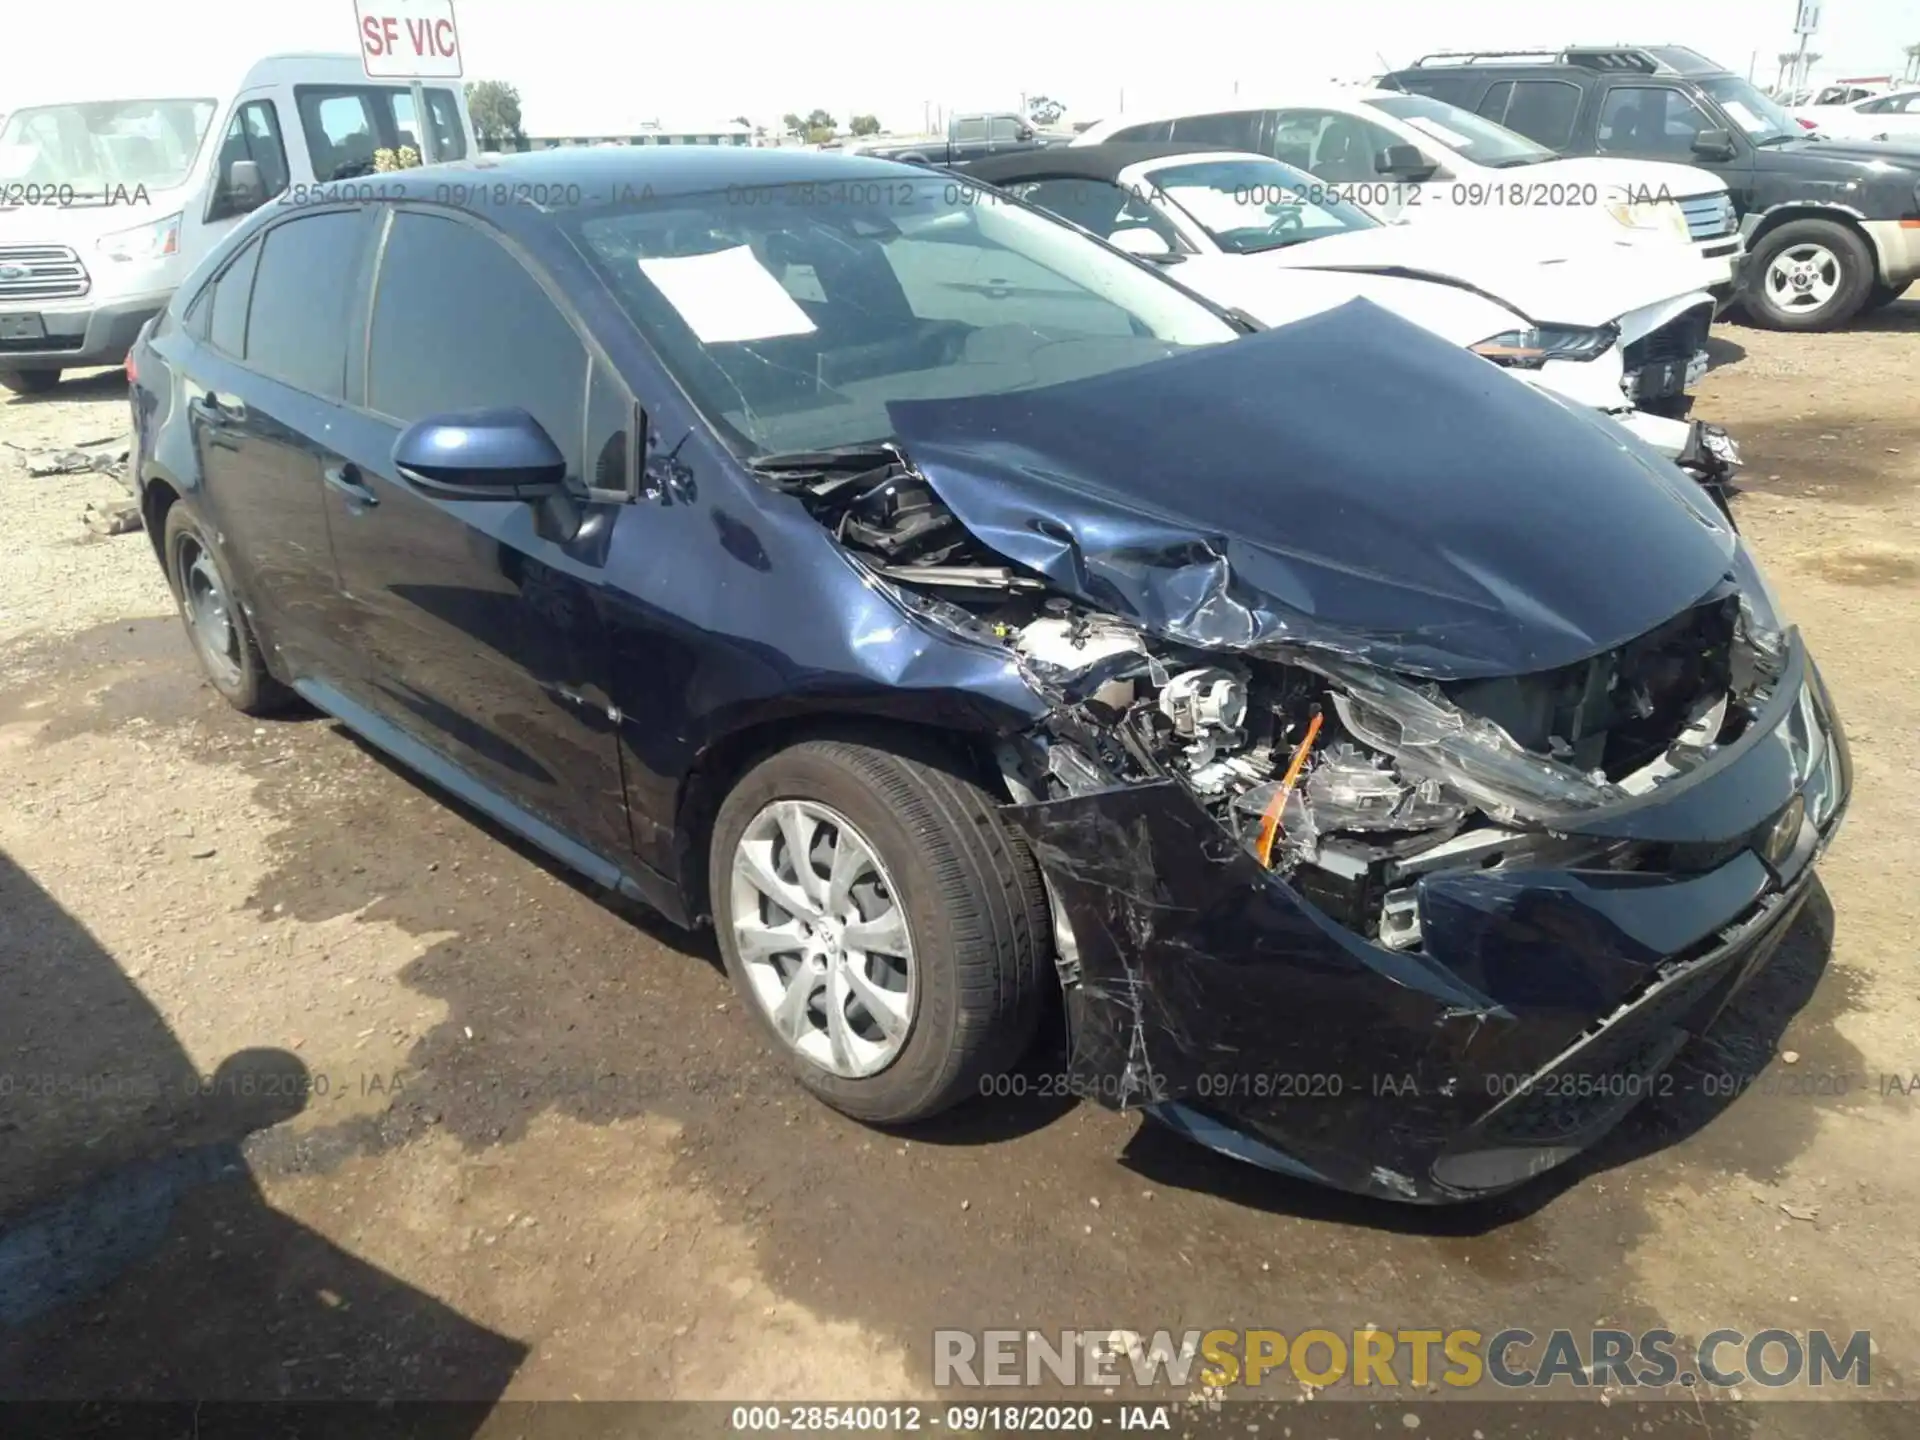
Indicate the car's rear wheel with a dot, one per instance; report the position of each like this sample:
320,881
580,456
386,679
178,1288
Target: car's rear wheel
216,624
888,931
29,382
1809,275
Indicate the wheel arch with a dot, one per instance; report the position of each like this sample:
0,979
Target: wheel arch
1774,216
705,785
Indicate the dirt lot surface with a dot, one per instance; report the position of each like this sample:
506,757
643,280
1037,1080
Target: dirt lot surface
542,1154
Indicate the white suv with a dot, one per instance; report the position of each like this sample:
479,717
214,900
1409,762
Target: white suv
1416,159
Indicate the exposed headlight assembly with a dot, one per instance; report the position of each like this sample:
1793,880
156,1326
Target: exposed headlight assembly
1473,757
1531,348
1658,216
153,241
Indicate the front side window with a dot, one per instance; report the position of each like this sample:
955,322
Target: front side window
253,135
1252,205
1331,145
450,141
106,148
302,296
792,325
1470,136
459,324
1651,120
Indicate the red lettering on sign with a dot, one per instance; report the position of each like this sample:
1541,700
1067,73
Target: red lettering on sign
370,35
443,34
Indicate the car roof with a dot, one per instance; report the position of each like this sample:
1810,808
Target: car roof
1088,162
193,81
1338,97
587,177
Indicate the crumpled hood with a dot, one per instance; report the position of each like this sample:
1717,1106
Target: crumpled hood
1559,280
1349,482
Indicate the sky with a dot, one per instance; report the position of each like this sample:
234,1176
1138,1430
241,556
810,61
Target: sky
602,66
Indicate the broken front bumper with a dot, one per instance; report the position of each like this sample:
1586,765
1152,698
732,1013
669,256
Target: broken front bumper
1543,1005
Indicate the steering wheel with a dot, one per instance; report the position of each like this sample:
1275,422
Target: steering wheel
1285,218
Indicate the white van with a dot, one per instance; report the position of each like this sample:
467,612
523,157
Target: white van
108,201
1417,160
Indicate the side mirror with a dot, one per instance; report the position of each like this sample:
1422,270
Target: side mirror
1714,145
1404,162
1140,240
480,455
246,191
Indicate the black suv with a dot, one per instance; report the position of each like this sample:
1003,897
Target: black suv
1832,227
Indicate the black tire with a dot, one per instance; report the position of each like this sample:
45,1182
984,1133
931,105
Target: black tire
1855,280
29,382
243,682
1881,296
973,900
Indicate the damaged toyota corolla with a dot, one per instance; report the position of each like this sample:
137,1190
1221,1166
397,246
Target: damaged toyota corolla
1392,764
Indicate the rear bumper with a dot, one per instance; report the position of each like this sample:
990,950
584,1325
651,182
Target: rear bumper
1542,1005
75,337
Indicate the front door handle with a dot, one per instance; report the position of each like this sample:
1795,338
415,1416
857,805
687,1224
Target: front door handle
207,410
345,477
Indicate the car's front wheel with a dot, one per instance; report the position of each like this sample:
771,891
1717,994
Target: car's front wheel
29,382
223,639
888,930
1810,275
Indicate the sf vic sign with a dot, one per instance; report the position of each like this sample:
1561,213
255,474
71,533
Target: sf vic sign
408,39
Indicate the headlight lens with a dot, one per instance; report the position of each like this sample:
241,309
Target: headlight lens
1530,349
154,241
1660,216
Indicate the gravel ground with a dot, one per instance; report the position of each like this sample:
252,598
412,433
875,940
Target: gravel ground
538,1151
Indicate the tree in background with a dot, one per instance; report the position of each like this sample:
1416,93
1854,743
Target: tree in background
1045,111
821,127
792,124
495,108
742,122
864,124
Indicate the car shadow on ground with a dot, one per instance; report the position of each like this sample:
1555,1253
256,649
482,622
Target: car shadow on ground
106,384
139,1260
1712,1075
1722,352
1902,317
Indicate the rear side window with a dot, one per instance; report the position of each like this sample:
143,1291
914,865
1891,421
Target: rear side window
1150,134
459,324
1542,110
228,299
1493,104
302,296
1235,130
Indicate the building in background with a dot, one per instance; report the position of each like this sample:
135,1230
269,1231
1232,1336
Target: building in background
542,133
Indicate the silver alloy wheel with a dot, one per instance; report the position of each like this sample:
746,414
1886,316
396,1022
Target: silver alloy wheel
208,620
822,938
1803,277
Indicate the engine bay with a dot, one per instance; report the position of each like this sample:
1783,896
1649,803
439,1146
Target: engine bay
1349,782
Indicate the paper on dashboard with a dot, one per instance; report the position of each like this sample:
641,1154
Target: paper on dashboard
727,295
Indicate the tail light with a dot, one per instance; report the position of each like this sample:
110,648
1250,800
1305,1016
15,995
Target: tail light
133,370
1806,124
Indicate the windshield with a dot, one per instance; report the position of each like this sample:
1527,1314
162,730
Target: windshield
104,147
1762,119
792,314
1463,132
1252,205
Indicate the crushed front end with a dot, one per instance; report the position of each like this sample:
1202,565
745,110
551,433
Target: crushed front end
1403,816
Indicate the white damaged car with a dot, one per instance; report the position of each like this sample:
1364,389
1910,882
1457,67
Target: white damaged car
1620,328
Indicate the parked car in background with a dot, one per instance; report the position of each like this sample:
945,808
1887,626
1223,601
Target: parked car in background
959,614
1413,158
968,137
1894,116
1613,327
1832,227
108,200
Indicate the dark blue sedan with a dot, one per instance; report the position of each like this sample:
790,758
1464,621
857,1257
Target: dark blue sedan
957,613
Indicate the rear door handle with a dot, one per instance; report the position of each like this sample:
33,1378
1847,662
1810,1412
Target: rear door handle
345,477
